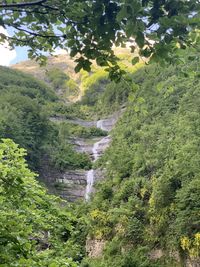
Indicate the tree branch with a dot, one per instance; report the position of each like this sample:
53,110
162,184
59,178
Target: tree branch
11,10
38,34
39,2
50,7
26,41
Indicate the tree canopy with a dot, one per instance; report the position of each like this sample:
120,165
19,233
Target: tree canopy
34,229
89,29
150,197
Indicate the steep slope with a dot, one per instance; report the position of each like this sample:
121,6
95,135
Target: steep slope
148,206
70,86
65,176
66,64
61,62
75,184
35,228
25,106
145,213
23,100
59,72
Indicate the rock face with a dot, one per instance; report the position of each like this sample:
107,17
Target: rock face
94,247
81,145
193,263
174,255
72,185
78,184
97,149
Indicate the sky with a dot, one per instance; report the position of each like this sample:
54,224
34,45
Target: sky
8,56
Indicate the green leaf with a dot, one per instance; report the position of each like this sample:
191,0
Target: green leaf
140,39
78,67
135,60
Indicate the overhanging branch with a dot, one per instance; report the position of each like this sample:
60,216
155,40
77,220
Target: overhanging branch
39,2
38,34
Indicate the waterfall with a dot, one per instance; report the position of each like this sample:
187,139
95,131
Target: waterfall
100,124
90,182
95,150
95,154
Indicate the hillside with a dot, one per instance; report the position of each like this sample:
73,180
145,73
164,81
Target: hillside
61,62
62,68
149,203
64,63
59,73
141,180
30,111
25,107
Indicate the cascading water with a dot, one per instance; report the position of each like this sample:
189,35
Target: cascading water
95,150
90,181
95,154
100,125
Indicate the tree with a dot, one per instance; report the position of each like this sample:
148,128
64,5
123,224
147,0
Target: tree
34,229
89,29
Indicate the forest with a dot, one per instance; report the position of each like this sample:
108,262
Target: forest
99,154
149,199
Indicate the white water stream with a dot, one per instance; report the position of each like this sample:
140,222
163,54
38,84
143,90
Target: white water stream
95,153
100,125
90,182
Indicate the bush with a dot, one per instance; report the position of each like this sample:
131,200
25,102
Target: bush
64,157
33,225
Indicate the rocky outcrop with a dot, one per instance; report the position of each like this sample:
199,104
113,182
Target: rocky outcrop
78,184
174,256
71,185
83,145
97,150
95,247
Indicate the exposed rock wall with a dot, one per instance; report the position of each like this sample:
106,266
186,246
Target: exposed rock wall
95,247
174,255
77,184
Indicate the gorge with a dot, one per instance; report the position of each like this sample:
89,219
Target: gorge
100,133
97,149
76,184
130,190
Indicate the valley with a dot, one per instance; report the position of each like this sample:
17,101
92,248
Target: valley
117,166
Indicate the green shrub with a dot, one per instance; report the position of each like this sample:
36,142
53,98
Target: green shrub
35,229
64,157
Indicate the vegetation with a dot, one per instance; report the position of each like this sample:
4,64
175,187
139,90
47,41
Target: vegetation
152,184
150,198
63,84
21,108
90,29
25,107
102,96
35,230
61,110
76,130
61,152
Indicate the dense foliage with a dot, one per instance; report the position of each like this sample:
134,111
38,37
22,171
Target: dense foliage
102,96
22,105
34,229
152,184
25,107
91,28
149,200
65,87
